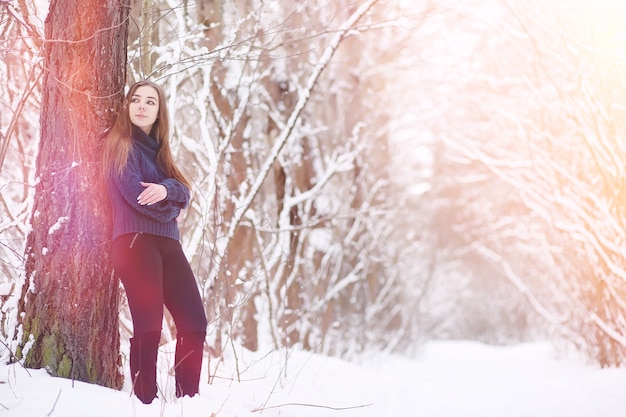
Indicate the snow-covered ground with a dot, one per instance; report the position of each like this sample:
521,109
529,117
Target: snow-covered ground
447,379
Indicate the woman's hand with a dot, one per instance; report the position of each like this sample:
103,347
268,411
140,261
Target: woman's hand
152,194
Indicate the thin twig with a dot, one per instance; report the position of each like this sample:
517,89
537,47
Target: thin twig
14,357
55,404
311,405
264,406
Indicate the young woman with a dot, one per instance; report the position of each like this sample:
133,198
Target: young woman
147,192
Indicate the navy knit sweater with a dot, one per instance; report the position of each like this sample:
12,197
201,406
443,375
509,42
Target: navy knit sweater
131,217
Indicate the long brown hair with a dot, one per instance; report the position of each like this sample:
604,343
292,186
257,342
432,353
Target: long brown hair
119,140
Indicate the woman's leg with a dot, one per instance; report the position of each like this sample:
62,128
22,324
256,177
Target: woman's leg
137,261
144,350
182,298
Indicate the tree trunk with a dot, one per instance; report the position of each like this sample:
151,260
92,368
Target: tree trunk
69,301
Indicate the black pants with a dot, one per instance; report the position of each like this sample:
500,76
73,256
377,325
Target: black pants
156,273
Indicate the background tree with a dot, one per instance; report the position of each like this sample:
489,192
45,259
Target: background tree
69,297
525,190
426,183
275,112
21,42
574,183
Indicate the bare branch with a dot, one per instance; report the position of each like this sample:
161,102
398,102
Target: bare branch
305,95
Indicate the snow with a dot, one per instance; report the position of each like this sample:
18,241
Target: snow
6,288
446,379
57,225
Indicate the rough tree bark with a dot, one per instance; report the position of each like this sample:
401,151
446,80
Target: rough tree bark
69,302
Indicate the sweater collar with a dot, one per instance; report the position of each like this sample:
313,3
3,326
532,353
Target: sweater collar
142,138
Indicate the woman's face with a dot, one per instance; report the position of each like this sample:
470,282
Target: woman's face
143,108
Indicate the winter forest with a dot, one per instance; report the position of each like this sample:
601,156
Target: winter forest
367,174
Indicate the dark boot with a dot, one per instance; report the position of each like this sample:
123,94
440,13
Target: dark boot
143,358
188,363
